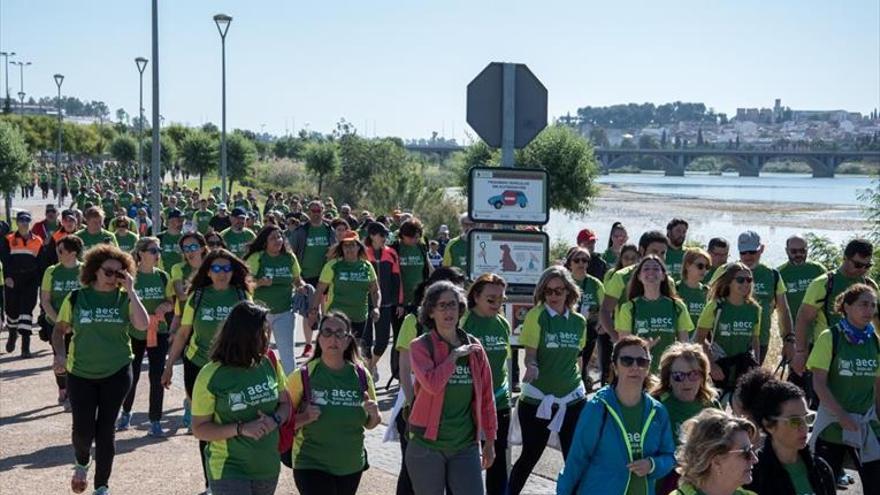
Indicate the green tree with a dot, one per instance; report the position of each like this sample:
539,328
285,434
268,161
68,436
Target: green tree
240,157
599,137
124,149
322,159
167,152
14,157
361,160
199,154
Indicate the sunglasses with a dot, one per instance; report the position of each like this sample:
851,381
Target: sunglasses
701,266
191,248
629,361
152,250
691,376
746,453
447,306
112,273
744,280
340,334
494,301
797,251
549,291
221,268
580,260
793,421
858,265
749,253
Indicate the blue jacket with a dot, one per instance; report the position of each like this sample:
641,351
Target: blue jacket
599,453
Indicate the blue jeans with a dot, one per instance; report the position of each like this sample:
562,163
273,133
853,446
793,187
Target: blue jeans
283,330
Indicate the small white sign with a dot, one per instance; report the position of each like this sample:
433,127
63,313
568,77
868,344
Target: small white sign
518,257
508,195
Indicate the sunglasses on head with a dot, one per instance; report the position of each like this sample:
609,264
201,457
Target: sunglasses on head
744,280
340,334
629,361
191,248
793,421
152,250
561,291
859,265
216,268
691,376
746,453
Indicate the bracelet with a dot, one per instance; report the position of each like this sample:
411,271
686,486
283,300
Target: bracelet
238,427
277,418
532,363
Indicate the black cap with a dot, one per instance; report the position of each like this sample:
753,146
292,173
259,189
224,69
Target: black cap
174,213
239,212
377,228
23,216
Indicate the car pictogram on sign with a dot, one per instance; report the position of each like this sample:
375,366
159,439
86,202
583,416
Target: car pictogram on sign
509,198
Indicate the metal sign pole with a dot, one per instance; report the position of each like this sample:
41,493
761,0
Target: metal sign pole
508,114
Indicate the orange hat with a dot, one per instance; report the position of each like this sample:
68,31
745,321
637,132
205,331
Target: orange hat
350,236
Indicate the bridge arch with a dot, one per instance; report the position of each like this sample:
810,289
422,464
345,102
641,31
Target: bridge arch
669,166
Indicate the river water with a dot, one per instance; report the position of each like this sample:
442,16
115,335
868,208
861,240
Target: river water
774,205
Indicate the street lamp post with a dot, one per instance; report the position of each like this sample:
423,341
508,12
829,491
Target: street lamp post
59,78
141,63
222,21
6,56
21,65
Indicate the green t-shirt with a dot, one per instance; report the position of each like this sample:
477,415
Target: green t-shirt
237,242
169,244
203,220
315,250
851,376
125,200
335,442
559,339
457,429
229,394
632,421
694,298
610,257
58,281
663,317
126,242
456,253
817,297
99,345
737,325
800,479
412,266
153,289
102,237
679,412
617,282
674,260
409,330
282,269
797,279
50,227
765,294
206,320
109,206
348,287
592,293
494,334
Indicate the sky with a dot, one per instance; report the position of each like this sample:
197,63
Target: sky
401,68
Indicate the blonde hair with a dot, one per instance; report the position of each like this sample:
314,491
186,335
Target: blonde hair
574,292
693,354
705,437
691,255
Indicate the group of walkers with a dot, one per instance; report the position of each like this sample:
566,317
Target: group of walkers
679,334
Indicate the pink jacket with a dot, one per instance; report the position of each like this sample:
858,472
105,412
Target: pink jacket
430,387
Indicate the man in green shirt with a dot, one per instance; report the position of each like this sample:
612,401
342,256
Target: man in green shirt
798,271
202,217
237,237
719,251
456,252
94,233
676,233
170,238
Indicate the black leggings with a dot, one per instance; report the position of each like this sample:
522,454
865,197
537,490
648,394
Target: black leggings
833,453
364,335
156,355
61,380
534,439
496,475
316,482
95,405
190,373
382,329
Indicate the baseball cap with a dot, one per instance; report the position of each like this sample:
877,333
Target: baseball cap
239,212
377,228
221,206
174,213
444,229
586,235
68,214
749,241
23,216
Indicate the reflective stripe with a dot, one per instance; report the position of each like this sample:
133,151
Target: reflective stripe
23,251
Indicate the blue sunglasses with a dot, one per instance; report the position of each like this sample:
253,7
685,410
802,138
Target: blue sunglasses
221,268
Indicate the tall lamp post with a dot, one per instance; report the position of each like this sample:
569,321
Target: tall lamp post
222,21
6,56
141,63
21,65
59,78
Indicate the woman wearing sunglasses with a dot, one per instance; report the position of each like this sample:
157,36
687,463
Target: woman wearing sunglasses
99,366
846,377
336,401
214,241
454,407
239,402
716,455
218,285
58,281
592,293
690,288
785,464
729,326
485,322
623,441
553,335
351,284
616,240
653,310
276,275
124,236
629,255
157,293
684,389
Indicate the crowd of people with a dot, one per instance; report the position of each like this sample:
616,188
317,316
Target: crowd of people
643,362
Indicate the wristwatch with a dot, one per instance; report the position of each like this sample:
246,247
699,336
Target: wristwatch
276,417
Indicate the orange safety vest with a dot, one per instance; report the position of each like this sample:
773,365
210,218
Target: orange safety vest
17,244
